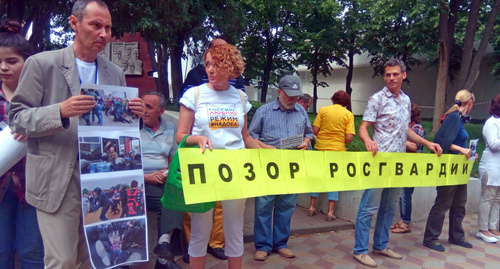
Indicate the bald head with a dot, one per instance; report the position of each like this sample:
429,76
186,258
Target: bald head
216,42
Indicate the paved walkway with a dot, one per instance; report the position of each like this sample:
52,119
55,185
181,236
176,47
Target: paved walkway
317,245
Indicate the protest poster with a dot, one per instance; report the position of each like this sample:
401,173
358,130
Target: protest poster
220,174
112,179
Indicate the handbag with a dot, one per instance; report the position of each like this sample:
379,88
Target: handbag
173,195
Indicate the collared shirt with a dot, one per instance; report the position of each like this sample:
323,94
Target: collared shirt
271,123
390,117
157,147
418,129
4,106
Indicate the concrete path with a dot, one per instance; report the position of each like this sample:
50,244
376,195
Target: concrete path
321,244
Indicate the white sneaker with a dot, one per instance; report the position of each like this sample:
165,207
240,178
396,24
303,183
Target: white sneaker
487,239
101,251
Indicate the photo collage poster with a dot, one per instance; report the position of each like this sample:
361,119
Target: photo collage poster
112,179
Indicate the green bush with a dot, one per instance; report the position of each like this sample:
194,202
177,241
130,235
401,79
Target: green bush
474,130
255,105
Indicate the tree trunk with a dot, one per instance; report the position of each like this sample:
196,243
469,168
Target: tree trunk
176,68
478,57
468,45
315,88
266,77
443,64
348,79
154,65
162,54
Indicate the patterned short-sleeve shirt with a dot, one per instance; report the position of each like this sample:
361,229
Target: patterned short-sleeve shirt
390,117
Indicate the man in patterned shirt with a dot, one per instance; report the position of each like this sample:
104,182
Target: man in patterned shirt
388,113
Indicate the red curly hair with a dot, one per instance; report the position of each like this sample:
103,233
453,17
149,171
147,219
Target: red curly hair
226,58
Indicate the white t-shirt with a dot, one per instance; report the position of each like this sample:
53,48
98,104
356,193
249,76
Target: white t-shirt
218,116
87,72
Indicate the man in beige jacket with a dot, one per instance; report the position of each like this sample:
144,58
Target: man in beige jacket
46,108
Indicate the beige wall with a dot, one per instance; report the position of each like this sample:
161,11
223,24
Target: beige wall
421,87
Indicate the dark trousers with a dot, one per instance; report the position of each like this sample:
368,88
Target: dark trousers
168,220
451,198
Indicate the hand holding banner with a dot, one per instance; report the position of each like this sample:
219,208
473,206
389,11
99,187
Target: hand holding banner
232,174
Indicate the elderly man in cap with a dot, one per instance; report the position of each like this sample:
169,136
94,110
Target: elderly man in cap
272,124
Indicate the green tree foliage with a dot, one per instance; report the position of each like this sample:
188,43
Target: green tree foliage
400,29
454,41
38,15
312,38
262,42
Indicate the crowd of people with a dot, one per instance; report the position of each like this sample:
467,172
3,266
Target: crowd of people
116,242
124,200
42,104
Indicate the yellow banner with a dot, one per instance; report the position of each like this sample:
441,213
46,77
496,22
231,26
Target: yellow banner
233,174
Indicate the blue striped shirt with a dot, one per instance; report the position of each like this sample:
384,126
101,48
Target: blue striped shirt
271,123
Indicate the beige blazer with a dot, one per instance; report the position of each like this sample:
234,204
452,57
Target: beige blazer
48,79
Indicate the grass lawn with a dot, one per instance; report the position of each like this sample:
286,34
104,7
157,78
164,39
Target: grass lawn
474,130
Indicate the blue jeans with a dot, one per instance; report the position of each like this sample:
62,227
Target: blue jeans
405,204
331,195
383,200
19,232
273,214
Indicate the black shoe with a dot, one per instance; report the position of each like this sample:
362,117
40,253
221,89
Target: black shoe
463,244
217,253
434,246
185,258
163,251
167,265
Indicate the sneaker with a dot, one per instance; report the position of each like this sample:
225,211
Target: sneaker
485,238
286,252
103,254
167,265
388,253
163,251
463,244
260,255
365,260
434,246
217,253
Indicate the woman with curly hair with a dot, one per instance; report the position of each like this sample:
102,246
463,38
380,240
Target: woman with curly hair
214,116
489,173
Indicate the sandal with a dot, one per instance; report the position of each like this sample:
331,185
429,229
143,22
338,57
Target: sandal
312,213
402,229
397,225
330,218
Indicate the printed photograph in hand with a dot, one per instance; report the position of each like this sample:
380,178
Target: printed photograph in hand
118,242
118,197
105,154
111,108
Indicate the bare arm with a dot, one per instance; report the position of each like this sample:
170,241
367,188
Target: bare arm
315,130
465,151
414,137
410,146
348,138
186,120
365,137
250,143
